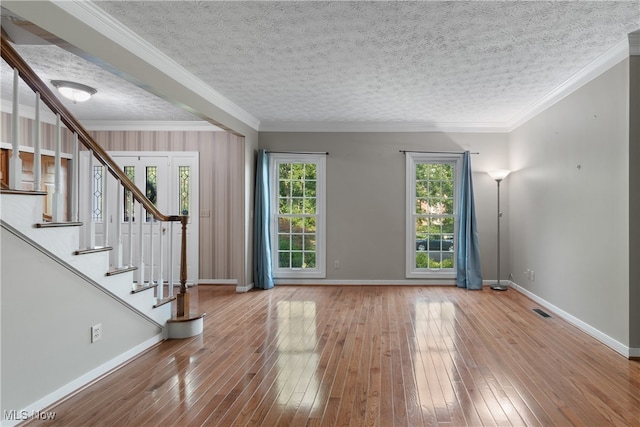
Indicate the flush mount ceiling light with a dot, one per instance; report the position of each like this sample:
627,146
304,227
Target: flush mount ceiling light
76,92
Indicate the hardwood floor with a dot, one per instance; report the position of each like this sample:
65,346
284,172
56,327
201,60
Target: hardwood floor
367,356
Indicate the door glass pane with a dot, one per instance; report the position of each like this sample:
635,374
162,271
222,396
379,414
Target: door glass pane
128,209
151,187
184,186
98,185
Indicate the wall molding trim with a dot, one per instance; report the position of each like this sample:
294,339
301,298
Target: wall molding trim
583,326
366,282
245,288
217,281
604,62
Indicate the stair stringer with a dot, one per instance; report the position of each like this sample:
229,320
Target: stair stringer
61,242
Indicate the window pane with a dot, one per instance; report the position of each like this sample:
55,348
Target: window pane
284,260
284,225
296,259
284,242
310,224
284,206
309,259
284,171
309,206
310,242
296,242
310,171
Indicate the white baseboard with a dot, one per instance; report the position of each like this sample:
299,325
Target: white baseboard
331,282
585,327
81,382
245,288
218,281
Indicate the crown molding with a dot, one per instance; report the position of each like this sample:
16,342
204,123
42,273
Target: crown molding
381,127
613,56
110,28
167,126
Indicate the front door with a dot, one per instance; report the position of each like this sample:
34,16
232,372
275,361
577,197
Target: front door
170,181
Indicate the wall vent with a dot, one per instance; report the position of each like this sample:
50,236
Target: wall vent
541,313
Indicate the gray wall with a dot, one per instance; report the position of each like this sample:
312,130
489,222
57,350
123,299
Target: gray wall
47,314
366,195
634,203
569,203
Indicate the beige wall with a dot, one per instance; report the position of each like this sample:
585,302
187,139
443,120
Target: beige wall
366,195
221,190
48,133
569,204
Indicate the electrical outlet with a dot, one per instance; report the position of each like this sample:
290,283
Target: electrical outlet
532,276
96,332
336,264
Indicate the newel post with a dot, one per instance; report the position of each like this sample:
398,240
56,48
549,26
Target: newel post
183,297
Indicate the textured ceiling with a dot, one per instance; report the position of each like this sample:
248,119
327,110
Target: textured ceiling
370,62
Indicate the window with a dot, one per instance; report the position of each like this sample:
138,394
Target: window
432,214
297,183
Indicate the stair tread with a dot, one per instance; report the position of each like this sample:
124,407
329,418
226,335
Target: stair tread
92,250
163,301
120,270
139,288
58,224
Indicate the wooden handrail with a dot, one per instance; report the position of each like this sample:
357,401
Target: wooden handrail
50,100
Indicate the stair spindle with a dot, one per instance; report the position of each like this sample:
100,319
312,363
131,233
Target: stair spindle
15,162
37,147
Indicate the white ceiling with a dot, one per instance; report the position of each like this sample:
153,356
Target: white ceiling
287,64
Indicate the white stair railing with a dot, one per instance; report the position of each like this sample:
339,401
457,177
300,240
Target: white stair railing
138,256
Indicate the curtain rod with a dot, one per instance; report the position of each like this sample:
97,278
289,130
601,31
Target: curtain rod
436,152
326,153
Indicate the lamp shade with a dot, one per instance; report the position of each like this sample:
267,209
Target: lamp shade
76,92
499,174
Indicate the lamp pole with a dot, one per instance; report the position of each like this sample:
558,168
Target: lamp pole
499,175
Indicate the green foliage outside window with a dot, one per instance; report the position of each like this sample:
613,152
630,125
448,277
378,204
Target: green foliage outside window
434,209
297,209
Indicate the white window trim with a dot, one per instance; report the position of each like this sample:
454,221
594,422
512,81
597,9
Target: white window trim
411,160
319,272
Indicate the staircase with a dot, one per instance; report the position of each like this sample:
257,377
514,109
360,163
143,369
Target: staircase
132,202
21,215
72,310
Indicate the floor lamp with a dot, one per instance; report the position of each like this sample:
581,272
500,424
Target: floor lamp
499,175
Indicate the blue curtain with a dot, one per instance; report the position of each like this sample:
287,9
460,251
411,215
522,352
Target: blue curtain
469,274
262,275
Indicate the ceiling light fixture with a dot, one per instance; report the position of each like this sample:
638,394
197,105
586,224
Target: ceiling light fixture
76,92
